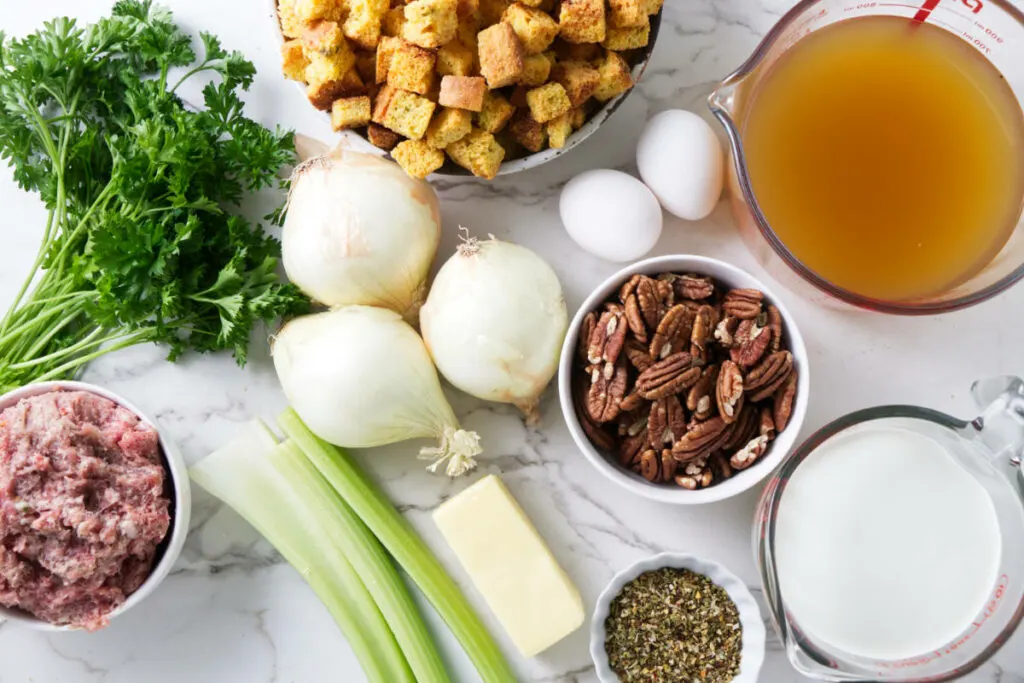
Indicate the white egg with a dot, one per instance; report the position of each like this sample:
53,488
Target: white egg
682,161
611,214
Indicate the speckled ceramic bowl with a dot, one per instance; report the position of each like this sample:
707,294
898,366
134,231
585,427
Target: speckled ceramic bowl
752,653
180,492
451,169
606,462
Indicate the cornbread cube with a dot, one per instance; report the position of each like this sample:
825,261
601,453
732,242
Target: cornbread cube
559,130
536,70
491,11
479,153
412,68
578,117
417,158
501,55
527,131
325,76
616,77
495,113
577,52
294,60
463,92
582,21
654,6
381,137
366,66
385,51
408,114
291,24
631,38
545,5
350,112
455,59
518,97
324,38
430,23
467,33
311,10
394,20
627,13
579,79
548,102
363,23
468,9
535,28
382,102
351,84
448,126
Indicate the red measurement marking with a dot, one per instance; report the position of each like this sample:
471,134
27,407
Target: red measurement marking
925,11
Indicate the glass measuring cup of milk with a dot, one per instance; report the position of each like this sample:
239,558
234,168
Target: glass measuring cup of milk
995,31
891,543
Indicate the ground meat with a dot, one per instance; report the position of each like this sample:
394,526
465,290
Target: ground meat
82,506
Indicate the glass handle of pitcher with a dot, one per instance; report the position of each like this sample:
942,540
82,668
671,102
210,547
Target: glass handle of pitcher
1000,427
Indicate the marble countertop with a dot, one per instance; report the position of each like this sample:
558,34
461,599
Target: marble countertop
233,612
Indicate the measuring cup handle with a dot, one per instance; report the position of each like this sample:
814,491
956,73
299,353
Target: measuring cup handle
1000,427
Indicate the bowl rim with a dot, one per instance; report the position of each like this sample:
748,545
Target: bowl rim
752,654
740,481
577,137
181,505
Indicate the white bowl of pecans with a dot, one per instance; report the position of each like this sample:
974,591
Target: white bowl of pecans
460,87
684,379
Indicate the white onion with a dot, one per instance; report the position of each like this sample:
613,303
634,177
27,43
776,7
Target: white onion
494,322
360,231
361,377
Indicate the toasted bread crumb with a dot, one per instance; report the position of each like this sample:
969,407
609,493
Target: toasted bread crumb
627,13
448,126
616,77
463,92
455,59
394,20
430,23
501,55
582,21
527,131
535,28
559,130
350,112
548,102
294,60
632,38
381,137
408,114
412,68
536,70
580,80
479,153
417,158
495,114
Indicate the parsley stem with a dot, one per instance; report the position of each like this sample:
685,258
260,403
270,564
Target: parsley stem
88,342
76,363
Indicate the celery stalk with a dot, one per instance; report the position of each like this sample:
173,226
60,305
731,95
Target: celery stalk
242,475
405,545
371,562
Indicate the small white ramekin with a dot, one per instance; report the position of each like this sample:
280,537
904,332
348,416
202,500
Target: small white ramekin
731,276
181,501
752,652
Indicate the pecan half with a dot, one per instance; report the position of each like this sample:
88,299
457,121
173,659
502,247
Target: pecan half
703,332
748,455
725,331
695,475
667,377
666,296
744,429
701,398
673,333
743,303
763,380
702,439
631,401
598,436
694,287
752,342
637,355
775,323
607,389
721,463
766,423
586,331
648,300
782,402
635,319
650,465
729,391
631,448
667,421
629,286
608,338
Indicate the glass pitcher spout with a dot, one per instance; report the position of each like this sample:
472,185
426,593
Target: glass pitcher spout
1000,427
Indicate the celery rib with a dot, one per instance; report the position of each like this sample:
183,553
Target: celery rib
405,545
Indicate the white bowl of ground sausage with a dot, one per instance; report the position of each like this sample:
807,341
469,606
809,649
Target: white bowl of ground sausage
176,487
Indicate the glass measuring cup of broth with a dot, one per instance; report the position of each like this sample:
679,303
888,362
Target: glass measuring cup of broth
879,151
891,543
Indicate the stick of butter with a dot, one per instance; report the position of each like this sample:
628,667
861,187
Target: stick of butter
509,563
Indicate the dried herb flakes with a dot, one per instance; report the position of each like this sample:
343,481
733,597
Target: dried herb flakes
673,625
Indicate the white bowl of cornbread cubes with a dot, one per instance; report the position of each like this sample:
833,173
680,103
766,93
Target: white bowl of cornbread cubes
487,87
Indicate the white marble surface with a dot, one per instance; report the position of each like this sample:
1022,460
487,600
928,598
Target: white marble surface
233,612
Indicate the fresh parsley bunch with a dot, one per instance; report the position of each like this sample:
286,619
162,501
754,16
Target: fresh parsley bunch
142,242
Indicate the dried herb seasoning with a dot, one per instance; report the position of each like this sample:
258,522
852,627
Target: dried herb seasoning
673,625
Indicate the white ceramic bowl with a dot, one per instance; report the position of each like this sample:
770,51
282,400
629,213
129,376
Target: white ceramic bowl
752,653
740,481
181,501
450,169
